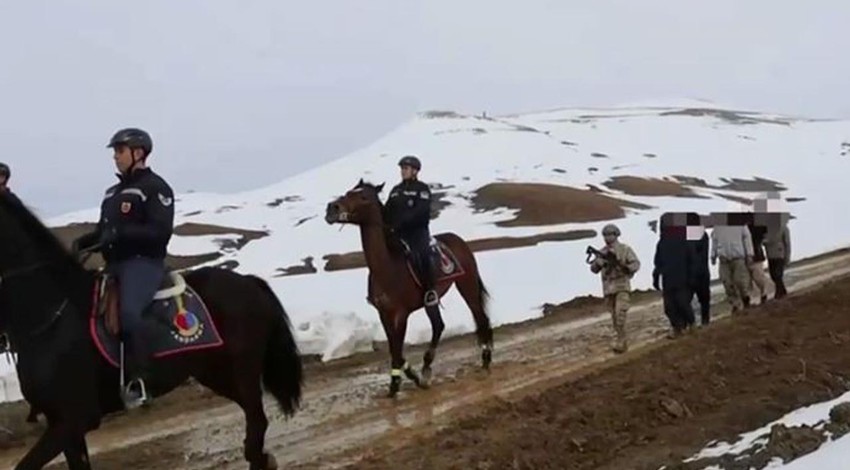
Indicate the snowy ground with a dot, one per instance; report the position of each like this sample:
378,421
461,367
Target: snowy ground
830,455
464,153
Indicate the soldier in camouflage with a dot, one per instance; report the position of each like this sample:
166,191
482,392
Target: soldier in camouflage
616,273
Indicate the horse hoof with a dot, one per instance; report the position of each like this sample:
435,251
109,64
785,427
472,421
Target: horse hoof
395,386
413,376
486,359
271,462
426,377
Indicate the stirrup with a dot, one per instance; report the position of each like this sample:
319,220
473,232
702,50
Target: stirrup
431,298
129,396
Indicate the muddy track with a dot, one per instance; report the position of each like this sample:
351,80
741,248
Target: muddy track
345,417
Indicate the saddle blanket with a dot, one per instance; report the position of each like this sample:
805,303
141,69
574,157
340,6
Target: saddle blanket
445,262
177,321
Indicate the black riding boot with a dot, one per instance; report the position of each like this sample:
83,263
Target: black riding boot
135,393
429,279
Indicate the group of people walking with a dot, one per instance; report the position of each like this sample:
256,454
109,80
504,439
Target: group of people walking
740,241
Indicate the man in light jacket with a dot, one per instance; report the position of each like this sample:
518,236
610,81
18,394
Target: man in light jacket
777,244
732,242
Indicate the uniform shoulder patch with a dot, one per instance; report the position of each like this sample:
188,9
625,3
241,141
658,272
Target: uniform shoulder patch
165,200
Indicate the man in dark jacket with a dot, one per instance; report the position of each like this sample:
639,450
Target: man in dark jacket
701,273
409,214
5,175
135,226
674,260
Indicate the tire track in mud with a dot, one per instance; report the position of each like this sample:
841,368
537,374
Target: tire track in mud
345,415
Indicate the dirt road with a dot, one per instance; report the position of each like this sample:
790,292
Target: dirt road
345,417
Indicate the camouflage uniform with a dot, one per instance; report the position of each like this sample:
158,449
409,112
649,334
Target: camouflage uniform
616,284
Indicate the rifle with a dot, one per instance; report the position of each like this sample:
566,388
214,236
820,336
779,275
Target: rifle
609,257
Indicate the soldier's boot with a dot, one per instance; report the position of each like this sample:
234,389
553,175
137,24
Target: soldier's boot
621,344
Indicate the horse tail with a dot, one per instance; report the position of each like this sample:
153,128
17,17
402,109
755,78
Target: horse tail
283,372
474,291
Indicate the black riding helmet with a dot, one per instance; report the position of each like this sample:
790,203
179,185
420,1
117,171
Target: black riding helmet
133,138
411,161
5,170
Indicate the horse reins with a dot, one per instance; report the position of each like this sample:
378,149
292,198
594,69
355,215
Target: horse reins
17,272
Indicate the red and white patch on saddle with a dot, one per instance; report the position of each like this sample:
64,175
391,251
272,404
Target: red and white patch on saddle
448,267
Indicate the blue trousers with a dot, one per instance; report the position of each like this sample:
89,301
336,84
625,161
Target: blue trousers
139,279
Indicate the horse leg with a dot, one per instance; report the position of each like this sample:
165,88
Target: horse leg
256,424
437,327
472,290
77,454
49,445
399,364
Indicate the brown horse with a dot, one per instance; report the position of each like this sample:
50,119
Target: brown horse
395,292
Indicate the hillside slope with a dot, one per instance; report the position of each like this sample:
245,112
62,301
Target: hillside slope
549,180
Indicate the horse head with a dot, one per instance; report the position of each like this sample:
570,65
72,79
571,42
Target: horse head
360,206
33,263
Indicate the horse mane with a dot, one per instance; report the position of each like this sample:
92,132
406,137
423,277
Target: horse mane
48,244
393,241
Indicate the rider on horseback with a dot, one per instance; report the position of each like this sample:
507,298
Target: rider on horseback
136,224
409,213
5,174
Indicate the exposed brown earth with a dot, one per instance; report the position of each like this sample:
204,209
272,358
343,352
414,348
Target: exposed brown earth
548,204
306,267
356,260
663,406
636,186
68,233
757,184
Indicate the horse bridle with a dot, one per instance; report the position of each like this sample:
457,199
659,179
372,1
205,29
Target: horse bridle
18,272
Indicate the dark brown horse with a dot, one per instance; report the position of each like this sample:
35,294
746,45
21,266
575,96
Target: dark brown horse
394,291
46,297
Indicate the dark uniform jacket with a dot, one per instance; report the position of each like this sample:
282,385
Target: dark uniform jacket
408,211
136,218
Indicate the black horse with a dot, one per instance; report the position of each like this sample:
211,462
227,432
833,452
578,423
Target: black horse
46,297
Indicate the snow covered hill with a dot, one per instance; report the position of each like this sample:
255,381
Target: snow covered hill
548,179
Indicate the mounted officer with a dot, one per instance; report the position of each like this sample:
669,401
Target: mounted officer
5,175
135,226
409,214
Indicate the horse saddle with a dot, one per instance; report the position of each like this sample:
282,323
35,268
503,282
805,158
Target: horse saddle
177,320
442,258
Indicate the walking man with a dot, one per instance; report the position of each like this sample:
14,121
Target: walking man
674,262
756,267
777,244
700,275
732,243
617,266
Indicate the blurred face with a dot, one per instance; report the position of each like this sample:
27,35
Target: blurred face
123,157
408,172
610,237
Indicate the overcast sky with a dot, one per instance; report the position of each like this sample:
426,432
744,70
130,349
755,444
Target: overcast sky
239,94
